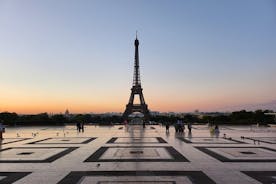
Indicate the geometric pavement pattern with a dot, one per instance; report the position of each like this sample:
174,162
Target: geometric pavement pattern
133,155
240,154
33,154
136,154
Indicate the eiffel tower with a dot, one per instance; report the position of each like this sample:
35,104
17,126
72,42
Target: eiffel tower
136,90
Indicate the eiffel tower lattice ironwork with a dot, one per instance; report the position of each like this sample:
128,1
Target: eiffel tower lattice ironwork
136,90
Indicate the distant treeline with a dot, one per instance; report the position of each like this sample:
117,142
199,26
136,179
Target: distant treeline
238,118
242,117
12,119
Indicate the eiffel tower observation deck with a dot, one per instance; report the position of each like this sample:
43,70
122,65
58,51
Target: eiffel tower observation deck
136,89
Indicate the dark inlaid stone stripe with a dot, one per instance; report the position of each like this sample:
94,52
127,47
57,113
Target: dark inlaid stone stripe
11,177
127,182
247,152
232,141
25,153
265,177
23,139
64,140
197,177
260,139
136,152
114,139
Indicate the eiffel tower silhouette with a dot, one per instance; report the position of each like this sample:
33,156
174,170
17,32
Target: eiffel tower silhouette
136,90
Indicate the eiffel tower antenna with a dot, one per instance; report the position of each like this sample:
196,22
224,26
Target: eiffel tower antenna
136,89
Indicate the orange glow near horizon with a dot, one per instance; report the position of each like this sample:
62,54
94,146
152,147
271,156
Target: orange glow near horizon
32,101
34,106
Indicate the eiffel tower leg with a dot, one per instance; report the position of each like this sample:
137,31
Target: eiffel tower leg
127,112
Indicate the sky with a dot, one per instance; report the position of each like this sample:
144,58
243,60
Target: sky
204,55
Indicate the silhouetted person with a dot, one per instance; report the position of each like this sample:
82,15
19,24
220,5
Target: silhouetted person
82,126
216,130
190,134
175,127
2,130
183,126
125,122
78,126
190,127
144,124
167,127
212,130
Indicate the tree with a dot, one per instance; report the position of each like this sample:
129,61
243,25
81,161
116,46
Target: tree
8,118
59,118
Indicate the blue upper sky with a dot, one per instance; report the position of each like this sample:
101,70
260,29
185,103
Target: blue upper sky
79,55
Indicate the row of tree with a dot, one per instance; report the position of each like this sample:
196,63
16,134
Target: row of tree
242,117
238,117
12,119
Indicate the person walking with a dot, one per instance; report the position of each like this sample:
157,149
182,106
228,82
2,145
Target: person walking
82,126
2,130
176,127
216,131
78,127
167,127
190,127
182,126
144,124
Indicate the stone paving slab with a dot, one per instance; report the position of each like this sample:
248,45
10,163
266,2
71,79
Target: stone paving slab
134,177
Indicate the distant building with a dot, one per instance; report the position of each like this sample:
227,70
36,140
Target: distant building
67,114
154,113
109,114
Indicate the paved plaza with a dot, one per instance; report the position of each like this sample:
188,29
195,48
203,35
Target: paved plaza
133,155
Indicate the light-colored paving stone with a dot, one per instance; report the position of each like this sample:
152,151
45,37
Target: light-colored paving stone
134,139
